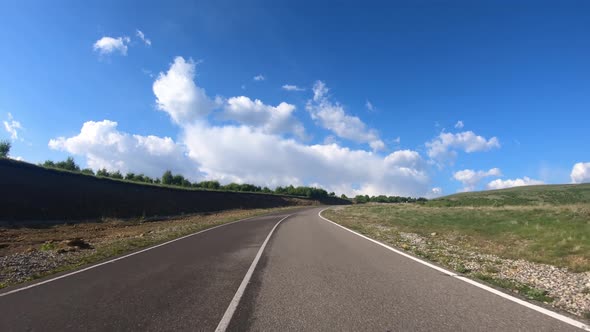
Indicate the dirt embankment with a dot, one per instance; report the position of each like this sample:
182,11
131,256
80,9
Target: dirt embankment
32,251
31,192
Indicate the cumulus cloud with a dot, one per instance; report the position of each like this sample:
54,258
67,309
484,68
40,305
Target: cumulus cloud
246,154
501,184
104,146
256,150
289,87
272,119
178,95
141,36
434,193
459,124
580,173
108,45
333,117
444,147
259,77
12,127
470,178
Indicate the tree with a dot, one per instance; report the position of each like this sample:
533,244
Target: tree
88,171
167,178
103,172
4,148
68,164
116,175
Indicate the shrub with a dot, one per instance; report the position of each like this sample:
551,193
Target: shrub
4,148
103,172
88,171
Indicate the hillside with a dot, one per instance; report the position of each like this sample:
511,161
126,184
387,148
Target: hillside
529,195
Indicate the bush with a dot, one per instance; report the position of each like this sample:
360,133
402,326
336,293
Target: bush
68,164
88,171
117,175
103,172
167,178
5,148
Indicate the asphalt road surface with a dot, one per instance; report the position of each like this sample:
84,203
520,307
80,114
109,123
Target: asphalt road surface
312,276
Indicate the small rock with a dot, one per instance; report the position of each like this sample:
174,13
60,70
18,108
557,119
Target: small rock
78,243
433,234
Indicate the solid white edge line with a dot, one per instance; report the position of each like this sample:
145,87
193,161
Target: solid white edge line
122,257
537,308
233,305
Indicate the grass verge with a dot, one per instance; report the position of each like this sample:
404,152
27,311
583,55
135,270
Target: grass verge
541,253
555,235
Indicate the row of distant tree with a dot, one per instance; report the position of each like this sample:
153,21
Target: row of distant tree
170,179
361,199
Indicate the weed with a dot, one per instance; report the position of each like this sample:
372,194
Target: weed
48,246
462,269
519,288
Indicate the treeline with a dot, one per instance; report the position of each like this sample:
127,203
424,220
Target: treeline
177,180
361,199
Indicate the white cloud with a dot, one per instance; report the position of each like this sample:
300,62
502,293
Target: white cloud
369,106
253,152
443,148
333,117
246,154
470,178
12,127
289,87
274,120
178,95
580,173
259,77
459,124
501,184
104,146
108,45
141,36
435,192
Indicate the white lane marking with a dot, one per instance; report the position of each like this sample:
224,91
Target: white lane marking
549,313
122,257
233,305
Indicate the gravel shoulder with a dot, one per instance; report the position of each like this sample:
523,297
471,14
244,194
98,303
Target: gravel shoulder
554,286
32,251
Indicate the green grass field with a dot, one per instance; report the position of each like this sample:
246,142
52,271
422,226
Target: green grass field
530,195
543,224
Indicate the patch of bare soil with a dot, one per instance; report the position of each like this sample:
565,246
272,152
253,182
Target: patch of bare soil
27,252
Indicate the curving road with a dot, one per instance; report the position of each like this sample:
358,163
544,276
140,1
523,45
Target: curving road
312,275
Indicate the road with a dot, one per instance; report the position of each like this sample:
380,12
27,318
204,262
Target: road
312,276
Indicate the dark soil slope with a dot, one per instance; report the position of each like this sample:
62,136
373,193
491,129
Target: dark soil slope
29,192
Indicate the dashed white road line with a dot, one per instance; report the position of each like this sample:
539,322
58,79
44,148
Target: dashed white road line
233,305
537,308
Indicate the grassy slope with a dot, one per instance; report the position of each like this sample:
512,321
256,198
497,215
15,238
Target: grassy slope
530,195
545,224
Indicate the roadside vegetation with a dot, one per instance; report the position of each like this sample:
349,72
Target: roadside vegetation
533,241
5,148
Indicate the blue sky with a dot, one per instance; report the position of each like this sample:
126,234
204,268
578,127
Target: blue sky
515,73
